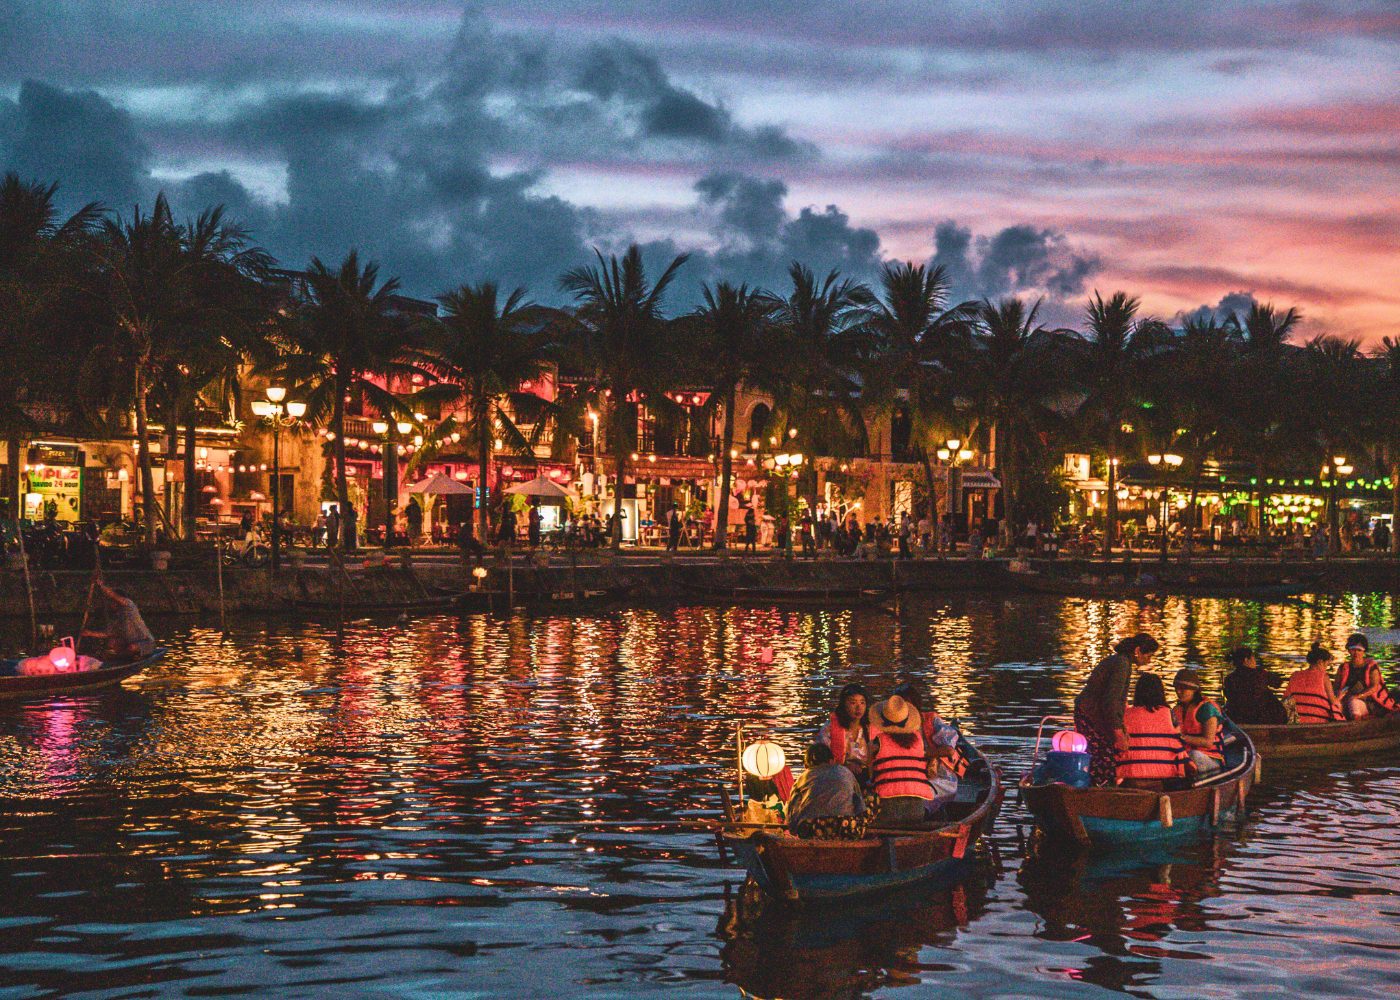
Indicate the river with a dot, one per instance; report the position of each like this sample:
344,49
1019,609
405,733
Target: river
394,809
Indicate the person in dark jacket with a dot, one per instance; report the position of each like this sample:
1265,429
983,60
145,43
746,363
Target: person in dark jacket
826,802
1098,711
1248,696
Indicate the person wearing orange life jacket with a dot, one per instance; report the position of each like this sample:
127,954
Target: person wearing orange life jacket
844,731
1311,692
1360,684
1155,752
1201,722
898,767
945,764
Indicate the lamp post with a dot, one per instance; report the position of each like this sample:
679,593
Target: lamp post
387,431
1333,472
1167,463
953,455
280,412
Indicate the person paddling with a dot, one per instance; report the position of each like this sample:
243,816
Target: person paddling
126,636
1098,711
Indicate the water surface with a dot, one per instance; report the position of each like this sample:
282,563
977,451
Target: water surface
422,809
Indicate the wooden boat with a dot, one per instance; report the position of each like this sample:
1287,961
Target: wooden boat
48,685
802,871
814,597
1325,739
1110,816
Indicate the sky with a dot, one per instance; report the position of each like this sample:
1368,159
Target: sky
1193,153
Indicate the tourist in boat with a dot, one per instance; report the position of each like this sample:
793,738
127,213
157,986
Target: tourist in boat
1201,722
945,765
844,731
125,637
826,801
898,768
1098,711
1310,690
1249,699
1360,684
1155,752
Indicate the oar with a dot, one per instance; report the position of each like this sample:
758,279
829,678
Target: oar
92,588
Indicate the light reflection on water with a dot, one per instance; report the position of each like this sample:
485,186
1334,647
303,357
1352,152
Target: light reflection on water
396,809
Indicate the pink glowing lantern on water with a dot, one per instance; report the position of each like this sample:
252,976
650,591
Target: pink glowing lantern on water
62,658
765,654
1068,741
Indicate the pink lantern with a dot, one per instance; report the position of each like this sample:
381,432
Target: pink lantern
1068,741
62,658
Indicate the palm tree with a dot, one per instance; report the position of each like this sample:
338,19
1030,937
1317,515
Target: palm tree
1011,376
915,342
814,374
1266,368
618,332
42,265
344,332
737,339
165,283
1334,374
481,350
1109,368
1388,376
1266,329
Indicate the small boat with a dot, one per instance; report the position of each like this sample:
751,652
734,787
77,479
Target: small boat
814,597
794,870
13,687
1325,740
1110,816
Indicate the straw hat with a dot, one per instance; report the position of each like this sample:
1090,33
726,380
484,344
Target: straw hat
894,715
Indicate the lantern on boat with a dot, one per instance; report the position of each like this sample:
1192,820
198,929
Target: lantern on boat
63,659
764,759
1068,741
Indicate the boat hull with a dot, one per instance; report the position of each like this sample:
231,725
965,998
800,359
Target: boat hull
1115,817
49,685
807,871
1326,740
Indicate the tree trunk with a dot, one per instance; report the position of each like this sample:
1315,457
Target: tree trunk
191,504
726,472
1110,508
342,482
620,446
14,448
1395,506
1194,515
143,453
483,468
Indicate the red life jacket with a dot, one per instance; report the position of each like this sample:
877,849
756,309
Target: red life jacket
1347,676
836,737
1190,724
1308,689
1155,749
896,771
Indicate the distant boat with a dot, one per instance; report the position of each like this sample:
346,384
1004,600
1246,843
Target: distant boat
13,687
1112,816
1323,740
802,871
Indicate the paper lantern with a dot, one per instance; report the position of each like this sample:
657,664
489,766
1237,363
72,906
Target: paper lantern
1068,741
479,572
62,658
764,759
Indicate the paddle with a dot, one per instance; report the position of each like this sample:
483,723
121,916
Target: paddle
92,587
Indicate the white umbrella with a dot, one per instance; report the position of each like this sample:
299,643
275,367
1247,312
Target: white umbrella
543,488
438,485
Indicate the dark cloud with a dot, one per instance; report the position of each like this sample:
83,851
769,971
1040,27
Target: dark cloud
1236,304
1017,259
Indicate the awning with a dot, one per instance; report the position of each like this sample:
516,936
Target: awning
980,480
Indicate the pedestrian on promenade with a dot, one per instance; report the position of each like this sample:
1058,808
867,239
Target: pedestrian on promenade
750,530
782,531
674,526
809,541
332,517
532,526
506,535
413,515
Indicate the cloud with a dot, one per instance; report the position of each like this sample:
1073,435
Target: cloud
1019,259
1236,304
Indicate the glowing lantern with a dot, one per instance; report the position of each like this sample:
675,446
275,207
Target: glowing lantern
479,572
62,658
1068,741
764,759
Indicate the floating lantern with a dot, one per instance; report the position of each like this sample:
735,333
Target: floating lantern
764,759
765,654
62,658
1068,741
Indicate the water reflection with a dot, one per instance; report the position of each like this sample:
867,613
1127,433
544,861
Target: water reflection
271,809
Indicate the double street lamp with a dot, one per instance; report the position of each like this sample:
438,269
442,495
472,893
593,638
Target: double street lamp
1333,472
954,455
280,412
391,471
1167,463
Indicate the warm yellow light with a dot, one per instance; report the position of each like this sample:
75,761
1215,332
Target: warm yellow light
764,759
276,393
1154,459
733,452
796,459
1339,460
773,440
380,427
296,410
954,444
261,408
965,455
754,444
944,454
404,426
792,432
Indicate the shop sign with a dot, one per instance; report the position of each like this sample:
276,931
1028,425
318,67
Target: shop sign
55,454
55,490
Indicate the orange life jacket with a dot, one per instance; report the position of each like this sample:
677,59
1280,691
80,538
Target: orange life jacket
1190,724
896,771
1308,689
928,723
1346,676
1154,749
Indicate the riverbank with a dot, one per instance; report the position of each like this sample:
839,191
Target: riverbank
646,577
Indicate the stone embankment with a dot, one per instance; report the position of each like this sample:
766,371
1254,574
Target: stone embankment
63,594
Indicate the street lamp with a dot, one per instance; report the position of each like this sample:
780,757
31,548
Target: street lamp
1339,467
279,412
391,434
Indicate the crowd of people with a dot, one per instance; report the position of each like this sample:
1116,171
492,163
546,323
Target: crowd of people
1144,741
890,763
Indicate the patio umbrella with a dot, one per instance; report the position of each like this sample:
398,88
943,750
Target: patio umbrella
543,488
439,485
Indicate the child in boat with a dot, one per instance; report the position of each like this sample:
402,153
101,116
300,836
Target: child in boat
1155,753
1360,684
1310,690
826,802
1201,722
